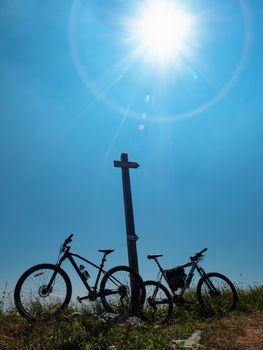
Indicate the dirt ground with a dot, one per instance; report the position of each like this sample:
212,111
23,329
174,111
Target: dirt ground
252,338
244,332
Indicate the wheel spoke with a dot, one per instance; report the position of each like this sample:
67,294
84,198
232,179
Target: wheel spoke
119,288
32,298
158,304
217,294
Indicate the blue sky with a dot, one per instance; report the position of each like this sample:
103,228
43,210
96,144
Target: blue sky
74,97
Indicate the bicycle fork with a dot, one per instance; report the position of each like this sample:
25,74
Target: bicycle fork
45,290
212,289
152,299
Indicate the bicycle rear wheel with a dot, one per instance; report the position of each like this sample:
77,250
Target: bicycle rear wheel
32,299
216,293
122,291
158,306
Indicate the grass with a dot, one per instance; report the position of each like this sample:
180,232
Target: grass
241,329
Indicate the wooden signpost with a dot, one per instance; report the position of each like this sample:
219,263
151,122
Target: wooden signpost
125,165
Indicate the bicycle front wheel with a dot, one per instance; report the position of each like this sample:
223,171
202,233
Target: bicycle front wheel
33,300
158,305
216,293
122,290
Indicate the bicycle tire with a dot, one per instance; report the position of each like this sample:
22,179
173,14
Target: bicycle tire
219,301
35,304
116,292
150,312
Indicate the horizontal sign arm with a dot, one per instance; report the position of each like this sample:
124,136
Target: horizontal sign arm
122,164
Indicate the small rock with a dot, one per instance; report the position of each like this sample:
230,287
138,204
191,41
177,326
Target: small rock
189,343
134,321
107,317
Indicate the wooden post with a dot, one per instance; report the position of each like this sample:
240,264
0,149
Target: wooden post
125,165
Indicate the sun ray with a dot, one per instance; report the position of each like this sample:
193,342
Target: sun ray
116,134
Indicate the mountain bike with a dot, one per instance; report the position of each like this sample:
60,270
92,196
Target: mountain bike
215,293
45,290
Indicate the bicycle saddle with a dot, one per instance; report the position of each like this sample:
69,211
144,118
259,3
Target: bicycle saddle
153,256
106,251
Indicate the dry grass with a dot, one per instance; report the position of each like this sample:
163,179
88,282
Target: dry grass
240,330
236,332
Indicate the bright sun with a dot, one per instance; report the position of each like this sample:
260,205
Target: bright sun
162,31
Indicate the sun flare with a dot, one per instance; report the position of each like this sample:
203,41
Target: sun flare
162,31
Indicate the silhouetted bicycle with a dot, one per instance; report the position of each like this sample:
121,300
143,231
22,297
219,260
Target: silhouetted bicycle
45,289
215,293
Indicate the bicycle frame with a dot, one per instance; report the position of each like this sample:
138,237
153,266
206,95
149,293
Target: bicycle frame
69,255
194,266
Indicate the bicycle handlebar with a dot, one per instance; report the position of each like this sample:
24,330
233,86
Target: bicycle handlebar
69,239
66,242
198,255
